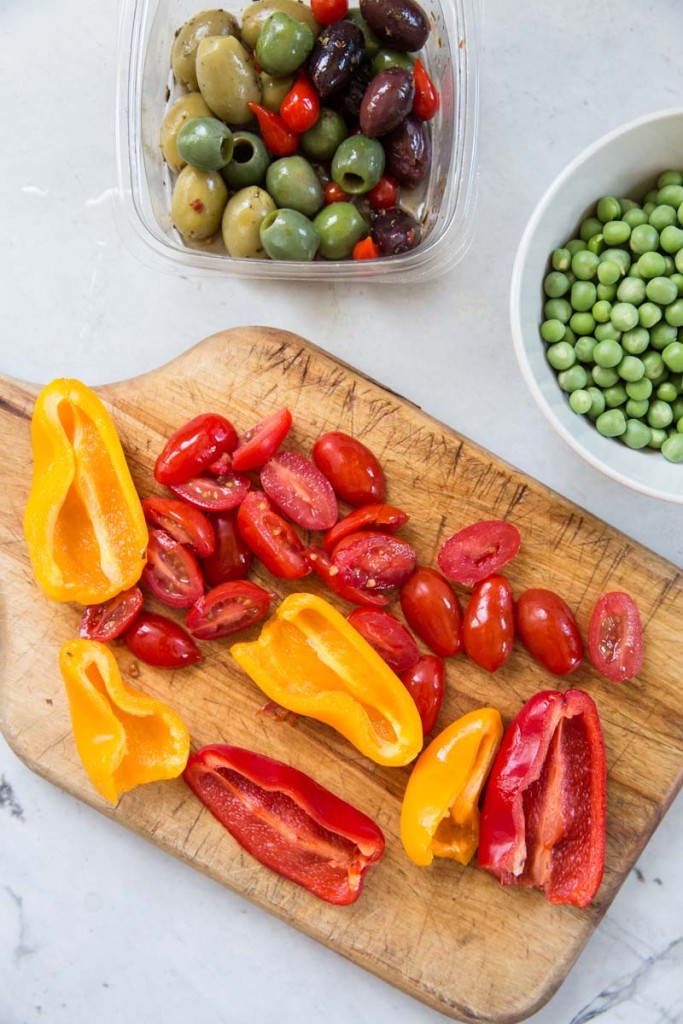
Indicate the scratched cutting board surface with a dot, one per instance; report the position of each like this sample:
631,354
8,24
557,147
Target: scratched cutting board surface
448,935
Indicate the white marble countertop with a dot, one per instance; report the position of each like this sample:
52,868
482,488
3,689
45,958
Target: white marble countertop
95,923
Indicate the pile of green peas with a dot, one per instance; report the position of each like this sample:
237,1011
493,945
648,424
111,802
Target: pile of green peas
613,318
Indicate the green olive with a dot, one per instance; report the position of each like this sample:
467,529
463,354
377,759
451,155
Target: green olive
199,198
322,140
255,16
206,143
358,164
274,91
293,184
372,42
242,220
340,226
227,78
184,53
391,59
249,162
188,106
288,235
283,44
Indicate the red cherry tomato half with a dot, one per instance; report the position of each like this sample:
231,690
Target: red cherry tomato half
299,489
260,442
160,641
300,108
366,249
387,517
387,636
221,466
214,493
172,572
334,193
548,630
193,447
185,524
432,609
426,684
327,11
373,561
228,608
351,468
104,622
488,629
426,101
231,558
615,637
271,538
479,550
321,563
384,195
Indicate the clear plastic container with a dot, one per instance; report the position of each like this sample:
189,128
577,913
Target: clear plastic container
445,206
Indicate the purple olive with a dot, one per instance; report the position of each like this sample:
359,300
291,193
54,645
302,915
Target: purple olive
401,24
387,101
408,150
338,51
394,231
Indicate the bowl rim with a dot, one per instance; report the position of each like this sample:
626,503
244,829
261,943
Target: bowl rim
515,292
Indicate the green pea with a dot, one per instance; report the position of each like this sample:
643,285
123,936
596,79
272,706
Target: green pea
596,244
607,292
580,402
661,217
553,330
611,423
673,314
249,162
597,402
584,265
283,44
669,266
631,290
584,349
582,323
678,281
671,195
294,185
631,368
662,334
601,311
604,377
634,272
677,409
561,259
661,290
671,239
392,59
649,314
679,426
639,390
608,330
672,356
672,448
608,354
669,178
651,264
624,315
561,355
635,341
644,238
636,435
615,396
575,245
678,258
660,414
557,309
608,272
657,438
650,206
627,204
289,235
583,296
634,217
608,208
358,165
637,409
589,227
573,379
654,364
667,392
322,140
206,143
677,380
340,226
569,335
616,232
619,256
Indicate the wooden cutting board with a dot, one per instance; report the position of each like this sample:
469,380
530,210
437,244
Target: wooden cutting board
448,935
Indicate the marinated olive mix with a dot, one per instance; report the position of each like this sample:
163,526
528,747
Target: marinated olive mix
291,140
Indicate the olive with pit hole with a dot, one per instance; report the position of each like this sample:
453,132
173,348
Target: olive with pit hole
288,235
283,44
184,53
408,151
242,219
395,231
227,78
358,164
189,106
387,100
199,198
293,184
256,15
338,51
250,160
400,24
206,143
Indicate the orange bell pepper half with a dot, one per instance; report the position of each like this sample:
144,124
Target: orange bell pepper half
123,737
311,661
440,813
84,523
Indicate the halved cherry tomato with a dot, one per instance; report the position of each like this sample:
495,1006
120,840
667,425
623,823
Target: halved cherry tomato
432,609
334,193
260,442
104,622
426,101
373,561
231,558
488,629
615,637
548,630
389,637
366,249
300,108
384,195
228,608
221,466
214,493
271,538
193,447
387,517
426,684
172,572
321,563
160,641
351,468
327,11
299,489
276,134
185,524
479,550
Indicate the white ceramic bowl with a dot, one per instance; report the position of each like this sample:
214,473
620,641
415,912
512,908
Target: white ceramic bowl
625,162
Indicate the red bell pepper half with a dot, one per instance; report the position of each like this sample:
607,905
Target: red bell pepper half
287,821
543,821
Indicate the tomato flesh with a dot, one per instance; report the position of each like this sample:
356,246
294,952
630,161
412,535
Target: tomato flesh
615,637
271,538
432,609
478,551
184,523
488,626
373,561
214,494
231,558
426,684
351,468
228,608
172,572
321,563
387,517
256,446
386,635
105,622
160,641
549,631
193,447
298,488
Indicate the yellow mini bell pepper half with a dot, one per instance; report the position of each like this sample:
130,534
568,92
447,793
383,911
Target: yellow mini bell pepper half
84,523
311,661
123,737
440,813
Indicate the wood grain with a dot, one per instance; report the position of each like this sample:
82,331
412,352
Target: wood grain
448,935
